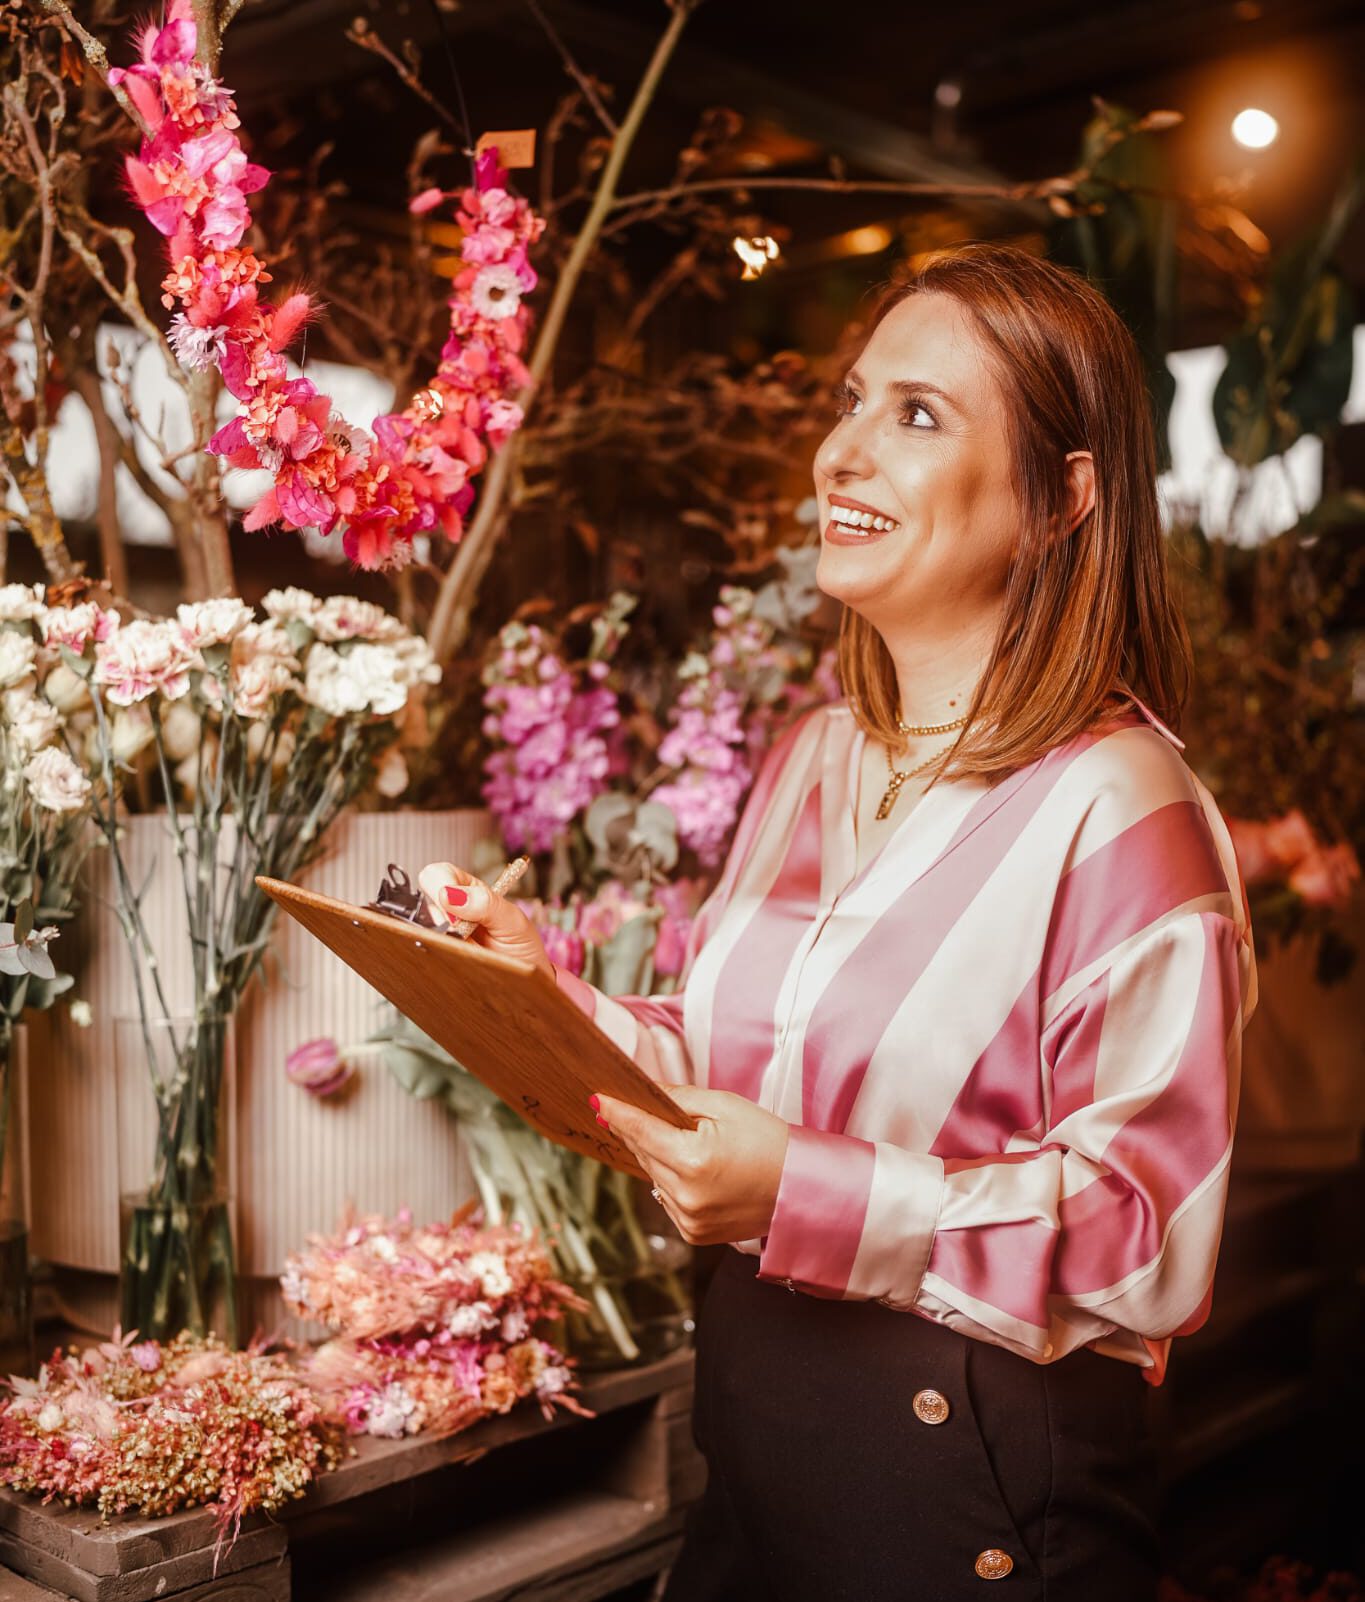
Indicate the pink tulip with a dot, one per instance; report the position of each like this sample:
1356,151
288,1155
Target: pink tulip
1326,875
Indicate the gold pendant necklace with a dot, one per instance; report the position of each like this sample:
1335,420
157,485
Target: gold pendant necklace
900,777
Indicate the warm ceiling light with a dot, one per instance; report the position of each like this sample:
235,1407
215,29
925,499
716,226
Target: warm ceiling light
754,253
868,240
1255,129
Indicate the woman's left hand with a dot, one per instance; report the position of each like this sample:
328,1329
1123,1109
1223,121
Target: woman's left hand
717,1182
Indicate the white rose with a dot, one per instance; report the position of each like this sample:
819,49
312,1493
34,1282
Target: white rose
284,605
17,652
20,602
55,782
215,622
32,721
66,689
130,732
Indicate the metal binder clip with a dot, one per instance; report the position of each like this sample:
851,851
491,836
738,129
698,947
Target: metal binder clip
399,898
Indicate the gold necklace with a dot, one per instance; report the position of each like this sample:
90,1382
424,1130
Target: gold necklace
932,728
900,777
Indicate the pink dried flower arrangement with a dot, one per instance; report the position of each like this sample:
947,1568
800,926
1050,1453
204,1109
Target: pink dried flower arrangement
137,1426
435,1323
413,474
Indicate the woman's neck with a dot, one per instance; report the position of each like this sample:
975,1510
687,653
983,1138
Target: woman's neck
937,677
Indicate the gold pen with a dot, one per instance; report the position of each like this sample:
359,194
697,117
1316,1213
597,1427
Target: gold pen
504,882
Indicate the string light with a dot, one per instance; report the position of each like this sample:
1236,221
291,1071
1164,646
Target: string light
755,253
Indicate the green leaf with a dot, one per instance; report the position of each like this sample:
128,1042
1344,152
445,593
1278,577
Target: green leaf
23,921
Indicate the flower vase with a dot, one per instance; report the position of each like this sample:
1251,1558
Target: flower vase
16,1287
177,1148
609,1242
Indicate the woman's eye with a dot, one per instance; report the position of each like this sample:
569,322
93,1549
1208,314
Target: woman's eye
913,411
847,402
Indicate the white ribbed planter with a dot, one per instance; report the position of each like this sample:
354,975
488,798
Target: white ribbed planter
299,1161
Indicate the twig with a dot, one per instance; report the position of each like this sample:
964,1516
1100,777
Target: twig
98,58
362,34
580,77
450,617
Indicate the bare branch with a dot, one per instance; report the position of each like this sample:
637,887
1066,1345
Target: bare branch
584,82
98,58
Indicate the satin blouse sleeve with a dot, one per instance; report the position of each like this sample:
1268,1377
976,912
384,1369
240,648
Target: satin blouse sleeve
1109,1217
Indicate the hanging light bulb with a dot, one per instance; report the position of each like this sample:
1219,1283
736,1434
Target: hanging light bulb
755,253
1255,128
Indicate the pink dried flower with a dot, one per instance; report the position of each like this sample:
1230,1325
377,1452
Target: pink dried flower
318,1067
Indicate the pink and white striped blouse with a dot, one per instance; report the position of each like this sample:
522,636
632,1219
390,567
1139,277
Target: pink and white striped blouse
1009,1048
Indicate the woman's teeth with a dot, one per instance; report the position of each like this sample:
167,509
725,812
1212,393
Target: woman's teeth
846,517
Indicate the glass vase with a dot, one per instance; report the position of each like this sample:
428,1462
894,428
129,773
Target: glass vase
16,1282
651,1296
177,1150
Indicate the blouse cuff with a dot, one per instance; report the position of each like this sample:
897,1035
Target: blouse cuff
822,1202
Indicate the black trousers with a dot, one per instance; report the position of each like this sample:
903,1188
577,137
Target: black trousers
826,1481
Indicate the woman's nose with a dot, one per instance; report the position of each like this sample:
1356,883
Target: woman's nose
843,453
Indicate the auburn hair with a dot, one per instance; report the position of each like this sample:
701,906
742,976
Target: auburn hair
1089,616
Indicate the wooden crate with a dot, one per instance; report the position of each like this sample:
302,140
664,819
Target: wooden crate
572,1508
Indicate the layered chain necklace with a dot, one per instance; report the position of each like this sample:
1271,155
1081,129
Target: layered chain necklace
900,777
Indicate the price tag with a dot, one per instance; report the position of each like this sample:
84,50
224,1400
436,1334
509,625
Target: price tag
516,146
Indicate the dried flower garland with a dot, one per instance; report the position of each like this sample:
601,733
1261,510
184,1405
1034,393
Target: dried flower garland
435,1323
136,1426
411,475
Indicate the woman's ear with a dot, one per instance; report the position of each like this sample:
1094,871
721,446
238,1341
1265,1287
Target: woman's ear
1080,487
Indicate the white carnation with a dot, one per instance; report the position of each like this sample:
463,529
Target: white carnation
17,652
215,622
347,617
32,720
66,689
19,602
367,678
130,732
55,782
288,604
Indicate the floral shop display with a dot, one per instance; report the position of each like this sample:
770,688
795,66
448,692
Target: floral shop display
625,788
138,1426
412,474
253,734
435,1325
45,800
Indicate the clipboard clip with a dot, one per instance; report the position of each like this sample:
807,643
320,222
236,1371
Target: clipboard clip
398,897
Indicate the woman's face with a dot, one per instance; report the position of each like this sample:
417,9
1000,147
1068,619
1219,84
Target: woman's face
921,444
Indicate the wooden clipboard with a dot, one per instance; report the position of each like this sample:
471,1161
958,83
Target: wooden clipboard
504,1020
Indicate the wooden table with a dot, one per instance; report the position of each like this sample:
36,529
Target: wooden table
571,1508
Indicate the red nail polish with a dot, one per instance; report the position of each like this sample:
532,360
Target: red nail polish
595,1103
454,897
603,1121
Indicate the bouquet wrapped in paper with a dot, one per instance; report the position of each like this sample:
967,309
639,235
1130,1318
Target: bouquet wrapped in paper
435,1324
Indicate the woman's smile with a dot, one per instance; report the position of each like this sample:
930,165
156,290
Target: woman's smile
851,522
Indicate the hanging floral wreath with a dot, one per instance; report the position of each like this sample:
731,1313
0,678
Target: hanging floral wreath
412,474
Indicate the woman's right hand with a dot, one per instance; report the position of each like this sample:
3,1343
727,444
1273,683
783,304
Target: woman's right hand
501,925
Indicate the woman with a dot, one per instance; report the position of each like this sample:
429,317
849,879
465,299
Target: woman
961,1021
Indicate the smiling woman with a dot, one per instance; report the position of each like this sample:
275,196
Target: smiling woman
962,1037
